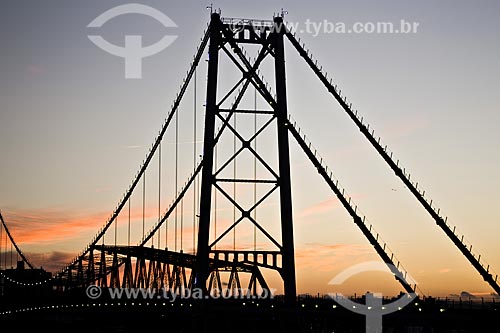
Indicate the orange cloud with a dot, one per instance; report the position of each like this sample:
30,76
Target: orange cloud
327,258
49,225
52,224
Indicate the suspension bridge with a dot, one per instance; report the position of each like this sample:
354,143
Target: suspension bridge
210,249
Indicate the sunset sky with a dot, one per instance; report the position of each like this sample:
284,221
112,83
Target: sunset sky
74,130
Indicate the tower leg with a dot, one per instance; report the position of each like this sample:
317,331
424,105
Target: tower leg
208,155
284,167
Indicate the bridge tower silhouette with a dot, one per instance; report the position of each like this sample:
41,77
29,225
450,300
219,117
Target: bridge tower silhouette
226,37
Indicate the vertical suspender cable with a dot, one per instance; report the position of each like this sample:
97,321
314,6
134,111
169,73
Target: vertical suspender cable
182,220
234,183
6,244
128,236
215,198
5,253
176,172
159,192
166,234
1,239
116,229
143,204
194,164
255,170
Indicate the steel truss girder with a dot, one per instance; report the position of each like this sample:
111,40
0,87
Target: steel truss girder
163,269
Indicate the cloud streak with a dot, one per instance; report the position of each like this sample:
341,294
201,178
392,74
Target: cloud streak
50,225
327,258
323,207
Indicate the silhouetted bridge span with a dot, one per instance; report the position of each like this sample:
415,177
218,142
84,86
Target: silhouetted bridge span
161,256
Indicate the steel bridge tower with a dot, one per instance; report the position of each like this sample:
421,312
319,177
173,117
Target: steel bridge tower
270,36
